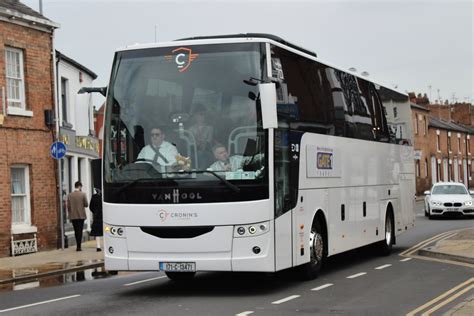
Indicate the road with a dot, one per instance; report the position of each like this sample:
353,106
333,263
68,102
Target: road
354,283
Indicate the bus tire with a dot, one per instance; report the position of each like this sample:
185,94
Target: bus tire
386,244
317,253
180,276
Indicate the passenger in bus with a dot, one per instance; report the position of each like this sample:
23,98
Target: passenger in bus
224,162
159,151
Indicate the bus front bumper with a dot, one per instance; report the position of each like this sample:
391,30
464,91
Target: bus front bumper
218,250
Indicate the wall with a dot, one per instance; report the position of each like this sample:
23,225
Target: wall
26,140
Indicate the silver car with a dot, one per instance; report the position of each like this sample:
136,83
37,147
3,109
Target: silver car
448,198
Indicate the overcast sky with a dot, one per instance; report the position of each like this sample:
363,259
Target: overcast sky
410,44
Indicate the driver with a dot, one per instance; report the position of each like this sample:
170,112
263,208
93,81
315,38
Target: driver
159,151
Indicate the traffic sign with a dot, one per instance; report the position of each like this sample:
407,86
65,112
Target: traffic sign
58,150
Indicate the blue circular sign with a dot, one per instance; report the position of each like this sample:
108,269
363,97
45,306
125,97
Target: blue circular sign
58,150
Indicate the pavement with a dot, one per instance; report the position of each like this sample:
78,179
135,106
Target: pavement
457,246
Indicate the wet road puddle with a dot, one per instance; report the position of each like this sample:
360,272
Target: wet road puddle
52,280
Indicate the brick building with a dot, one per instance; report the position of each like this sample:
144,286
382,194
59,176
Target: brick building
28,192
421,146
442,142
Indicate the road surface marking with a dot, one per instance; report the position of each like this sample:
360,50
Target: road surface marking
383,267
39,303
286,299
439,298
427,241
405,260
245,313
356,275
144,281
322,287
446,301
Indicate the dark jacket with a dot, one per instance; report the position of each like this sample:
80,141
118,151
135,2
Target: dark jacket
96,209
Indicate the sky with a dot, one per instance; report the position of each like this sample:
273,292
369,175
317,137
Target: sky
422,46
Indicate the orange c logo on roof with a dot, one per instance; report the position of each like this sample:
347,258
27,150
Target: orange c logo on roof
183,57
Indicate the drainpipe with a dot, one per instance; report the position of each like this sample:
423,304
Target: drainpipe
56,109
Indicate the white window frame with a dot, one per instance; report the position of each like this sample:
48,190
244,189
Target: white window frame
16,110
24,226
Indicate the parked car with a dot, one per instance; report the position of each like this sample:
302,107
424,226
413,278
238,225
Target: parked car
448,198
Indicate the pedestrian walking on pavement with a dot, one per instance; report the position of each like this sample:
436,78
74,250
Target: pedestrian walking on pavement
96,208
76,206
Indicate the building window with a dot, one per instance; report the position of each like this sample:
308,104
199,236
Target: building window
437,143
417,168
426,167
459,144
395,112
15,78
425,126
20,195
64,99
468,141
416,125
449,142
438,171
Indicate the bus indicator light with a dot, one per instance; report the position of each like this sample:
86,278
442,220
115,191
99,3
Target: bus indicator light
241,230
252,230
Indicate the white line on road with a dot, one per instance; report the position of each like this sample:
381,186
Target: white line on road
356,275
286,299
143,281
322,287
245,313
405,260
383,267
39,303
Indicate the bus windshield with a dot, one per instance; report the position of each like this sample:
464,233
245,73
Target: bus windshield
185,117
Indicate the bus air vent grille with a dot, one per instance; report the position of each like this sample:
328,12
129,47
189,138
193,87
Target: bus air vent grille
177,231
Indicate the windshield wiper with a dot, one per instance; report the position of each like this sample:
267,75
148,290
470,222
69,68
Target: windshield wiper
224,181
129,184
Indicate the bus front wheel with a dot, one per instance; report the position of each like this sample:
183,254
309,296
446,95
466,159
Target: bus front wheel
180,276
317,253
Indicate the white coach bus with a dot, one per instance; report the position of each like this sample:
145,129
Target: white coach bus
248,153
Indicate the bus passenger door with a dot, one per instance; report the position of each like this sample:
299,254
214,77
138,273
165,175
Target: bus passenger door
283,204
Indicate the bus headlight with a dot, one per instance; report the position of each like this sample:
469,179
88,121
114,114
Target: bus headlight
251,230
114,231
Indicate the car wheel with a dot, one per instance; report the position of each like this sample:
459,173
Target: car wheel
317,253
386,245
180,276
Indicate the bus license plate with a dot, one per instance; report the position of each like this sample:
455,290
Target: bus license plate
178,266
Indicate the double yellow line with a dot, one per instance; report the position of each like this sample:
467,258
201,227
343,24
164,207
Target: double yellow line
412,252
444,299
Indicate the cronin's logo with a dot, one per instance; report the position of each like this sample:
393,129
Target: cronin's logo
182,57
163,215
324,160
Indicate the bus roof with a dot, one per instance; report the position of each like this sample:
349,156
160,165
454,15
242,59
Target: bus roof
253,37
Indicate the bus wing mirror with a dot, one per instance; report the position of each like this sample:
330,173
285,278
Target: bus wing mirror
267,93
101,90
96,165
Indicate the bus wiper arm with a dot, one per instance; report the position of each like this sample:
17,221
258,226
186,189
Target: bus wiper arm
129,184
226,182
